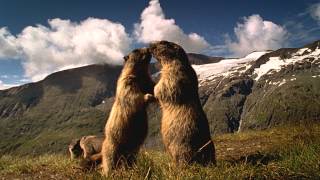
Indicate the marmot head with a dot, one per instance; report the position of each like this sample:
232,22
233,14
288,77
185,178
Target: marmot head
75,149
166,52
138,58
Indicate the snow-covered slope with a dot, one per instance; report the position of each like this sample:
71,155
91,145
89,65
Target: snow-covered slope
275,64
262,90
225,67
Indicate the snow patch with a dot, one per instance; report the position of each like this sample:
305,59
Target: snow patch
223,67
302,50
276,63
282,82
255,55
278,83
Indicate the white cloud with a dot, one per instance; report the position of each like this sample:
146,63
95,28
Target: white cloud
65,44
9,76
256,34
314,11
4,76
24,80
154,26
6,86
8,46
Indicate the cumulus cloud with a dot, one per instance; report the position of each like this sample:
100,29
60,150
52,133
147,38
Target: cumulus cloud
6,86
65,44
8,45
256,34
2,86
154,26
314,11
6,76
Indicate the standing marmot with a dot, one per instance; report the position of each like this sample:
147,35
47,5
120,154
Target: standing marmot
86,146
126,128
184,126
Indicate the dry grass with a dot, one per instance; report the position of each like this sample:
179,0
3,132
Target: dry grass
278,153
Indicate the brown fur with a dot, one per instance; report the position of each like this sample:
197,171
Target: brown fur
75,149
86,146
126,127
91,162
184,126
91,145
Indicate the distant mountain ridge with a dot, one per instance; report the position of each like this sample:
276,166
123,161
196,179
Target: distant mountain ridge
198,59
261,90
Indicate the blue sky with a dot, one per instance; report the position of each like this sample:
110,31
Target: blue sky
40,37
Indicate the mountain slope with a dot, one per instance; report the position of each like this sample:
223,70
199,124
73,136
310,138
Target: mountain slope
288,88
279,87
261,90
64,105
44,116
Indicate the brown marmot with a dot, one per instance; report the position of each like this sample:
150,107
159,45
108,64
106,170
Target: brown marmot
184,125
74,148
127,125
86,146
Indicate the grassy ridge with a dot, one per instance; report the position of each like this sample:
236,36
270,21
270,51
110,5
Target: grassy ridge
278,153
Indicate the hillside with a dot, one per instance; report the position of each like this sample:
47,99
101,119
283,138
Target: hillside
259,91
262,90
44,116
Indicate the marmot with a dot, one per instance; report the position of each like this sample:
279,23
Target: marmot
86,146
184,125
75,149
127,125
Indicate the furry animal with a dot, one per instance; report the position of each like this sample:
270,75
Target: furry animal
75,149
184,125
86,146
126,127
91,162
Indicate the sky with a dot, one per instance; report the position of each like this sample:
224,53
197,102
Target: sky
39,37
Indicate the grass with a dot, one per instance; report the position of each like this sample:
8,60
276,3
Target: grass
278,153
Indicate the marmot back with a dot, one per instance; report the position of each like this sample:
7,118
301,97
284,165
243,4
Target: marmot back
126,127
85,146
184,126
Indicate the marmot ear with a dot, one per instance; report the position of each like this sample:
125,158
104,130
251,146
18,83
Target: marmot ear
126,58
